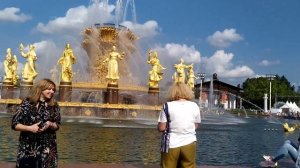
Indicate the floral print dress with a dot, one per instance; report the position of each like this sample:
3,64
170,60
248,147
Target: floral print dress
42,145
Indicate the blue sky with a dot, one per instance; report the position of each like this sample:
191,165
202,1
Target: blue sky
237,39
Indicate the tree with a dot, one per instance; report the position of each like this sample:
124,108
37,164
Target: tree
255,88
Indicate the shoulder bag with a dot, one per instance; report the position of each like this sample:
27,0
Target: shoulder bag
165,137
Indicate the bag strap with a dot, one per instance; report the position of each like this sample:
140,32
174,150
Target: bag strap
166,110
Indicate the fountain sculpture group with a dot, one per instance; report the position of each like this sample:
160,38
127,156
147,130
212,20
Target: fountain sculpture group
109,49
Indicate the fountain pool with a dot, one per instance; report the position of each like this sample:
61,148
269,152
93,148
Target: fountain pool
241,141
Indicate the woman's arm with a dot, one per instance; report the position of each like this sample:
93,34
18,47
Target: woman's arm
196,126
161,126
28,128
54,125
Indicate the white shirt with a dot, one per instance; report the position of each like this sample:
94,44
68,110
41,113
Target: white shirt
183,116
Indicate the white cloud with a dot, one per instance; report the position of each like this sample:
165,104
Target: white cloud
268,63
177,51
221,63
77,18
224,39
148,29
2,70
68,28
13,14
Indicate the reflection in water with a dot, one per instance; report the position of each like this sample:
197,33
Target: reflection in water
8,141
94,144
242,143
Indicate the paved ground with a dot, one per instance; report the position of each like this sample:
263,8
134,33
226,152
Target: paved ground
284,164
12,165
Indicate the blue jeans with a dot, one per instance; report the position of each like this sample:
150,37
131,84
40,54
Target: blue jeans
288,148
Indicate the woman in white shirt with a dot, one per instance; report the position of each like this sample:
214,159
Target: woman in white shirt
184,118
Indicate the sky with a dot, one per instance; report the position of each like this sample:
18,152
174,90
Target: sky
237,39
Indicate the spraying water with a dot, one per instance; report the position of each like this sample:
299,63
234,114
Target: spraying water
133,12
118,12
211,92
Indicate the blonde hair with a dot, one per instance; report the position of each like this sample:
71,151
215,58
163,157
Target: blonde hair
180,90
37,89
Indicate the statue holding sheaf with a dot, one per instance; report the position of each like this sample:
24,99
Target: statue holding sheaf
14,68
155,74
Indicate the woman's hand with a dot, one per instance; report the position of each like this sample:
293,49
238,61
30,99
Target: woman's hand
44,127
51,125
34,128
161,126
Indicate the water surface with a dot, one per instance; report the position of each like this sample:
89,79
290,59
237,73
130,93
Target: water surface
221,141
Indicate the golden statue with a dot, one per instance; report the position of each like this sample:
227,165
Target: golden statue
14,68
179,75
29,71
7,66
191,76
112,65
155,74
66,61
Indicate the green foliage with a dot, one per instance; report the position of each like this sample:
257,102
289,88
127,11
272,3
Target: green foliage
255,88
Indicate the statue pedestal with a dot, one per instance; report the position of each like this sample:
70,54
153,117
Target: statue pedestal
7,90
112,95
153,96
65,91
25,89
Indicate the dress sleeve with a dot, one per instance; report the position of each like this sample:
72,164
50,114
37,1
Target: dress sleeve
57,117
18,117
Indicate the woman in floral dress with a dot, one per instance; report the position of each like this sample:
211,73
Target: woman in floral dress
38,119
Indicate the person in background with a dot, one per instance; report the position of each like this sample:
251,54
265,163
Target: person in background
184,119
288,148
38,118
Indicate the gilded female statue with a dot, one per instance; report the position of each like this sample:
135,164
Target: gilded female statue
14,68
7,66
67,60
112,67
29,71
191,76
155,74
179,75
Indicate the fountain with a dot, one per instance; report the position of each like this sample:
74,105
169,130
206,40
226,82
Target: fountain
88,106
101,97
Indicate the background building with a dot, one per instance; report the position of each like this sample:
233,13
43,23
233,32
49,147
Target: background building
224,95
